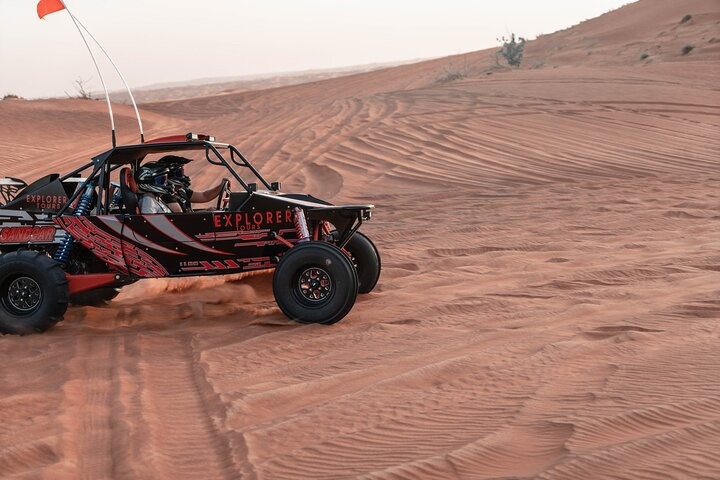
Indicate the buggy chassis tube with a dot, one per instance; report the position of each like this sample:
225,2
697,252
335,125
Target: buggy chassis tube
245,163
234,151
351,216
346,218
221,161
81,189
90,281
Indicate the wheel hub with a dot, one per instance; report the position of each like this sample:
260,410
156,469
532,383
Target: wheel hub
315,284
24,294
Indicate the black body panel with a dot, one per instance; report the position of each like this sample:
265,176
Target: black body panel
47,194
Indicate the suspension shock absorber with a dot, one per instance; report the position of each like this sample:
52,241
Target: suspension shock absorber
301,229
83,207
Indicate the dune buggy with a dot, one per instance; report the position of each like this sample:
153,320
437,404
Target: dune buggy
78,239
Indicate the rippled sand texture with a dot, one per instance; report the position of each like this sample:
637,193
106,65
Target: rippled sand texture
549,305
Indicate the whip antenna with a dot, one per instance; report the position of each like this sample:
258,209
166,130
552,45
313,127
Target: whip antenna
127,87
46,7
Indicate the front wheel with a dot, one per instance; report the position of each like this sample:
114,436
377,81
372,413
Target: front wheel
366,258
33,292
315,282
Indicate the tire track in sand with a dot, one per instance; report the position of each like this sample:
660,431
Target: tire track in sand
181,427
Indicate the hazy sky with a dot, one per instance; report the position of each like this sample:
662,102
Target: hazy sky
163,41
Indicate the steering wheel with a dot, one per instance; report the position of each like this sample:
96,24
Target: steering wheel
224,197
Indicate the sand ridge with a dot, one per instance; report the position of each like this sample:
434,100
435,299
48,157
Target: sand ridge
548,307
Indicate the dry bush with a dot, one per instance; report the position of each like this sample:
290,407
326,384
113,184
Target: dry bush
81,89
452,73
512,49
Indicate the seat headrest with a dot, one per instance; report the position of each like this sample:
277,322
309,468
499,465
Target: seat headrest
127,174
128,191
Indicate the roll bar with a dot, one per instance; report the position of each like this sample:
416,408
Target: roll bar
102,167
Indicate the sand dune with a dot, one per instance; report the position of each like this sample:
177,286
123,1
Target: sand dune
549,303
213,86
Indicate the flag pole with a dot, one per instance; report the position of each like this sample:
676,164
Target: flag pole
102,80
127,87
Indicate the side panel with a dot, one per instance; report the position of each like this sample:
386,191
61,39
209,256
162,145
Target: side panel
198,243
176,240
103,236
172,245
251,233
18,227
46,194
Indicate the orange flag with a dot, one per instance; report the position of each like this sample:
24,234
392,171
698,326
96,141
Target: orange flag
46,7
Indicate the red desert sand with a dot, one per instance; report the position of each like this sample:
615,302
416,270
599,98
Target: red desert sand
549,305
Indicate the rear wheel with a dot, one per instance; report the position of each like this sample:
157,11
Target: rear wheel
96,297
33,292
315,283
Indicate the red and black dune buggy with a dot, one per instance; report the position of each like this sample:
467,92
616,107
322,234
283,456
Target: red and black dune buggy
73,239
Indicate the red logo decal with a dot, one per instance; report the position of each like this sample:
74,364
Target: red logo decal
251,220
27,234
49,202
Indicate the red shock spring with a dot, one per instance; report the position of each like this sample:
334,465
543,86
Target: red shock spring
301,228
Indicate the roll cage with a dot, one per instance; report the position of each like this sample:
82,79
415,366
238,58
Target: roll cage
102,166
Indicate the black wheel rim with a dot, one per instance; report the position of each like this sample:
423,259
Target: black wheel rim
315,285
24,295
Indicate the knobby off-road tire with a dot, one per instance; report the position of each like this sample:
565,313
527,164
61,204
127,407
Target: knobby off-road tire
366,258
97,297
33,292
315,282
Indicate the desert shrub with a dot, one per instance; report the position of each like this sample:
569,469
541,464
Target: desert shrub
686,19
644,55
687,49
512,49
81,90
451,73
449,77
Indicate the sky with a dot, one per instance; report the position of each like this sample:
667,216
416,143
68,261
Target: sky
163,41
